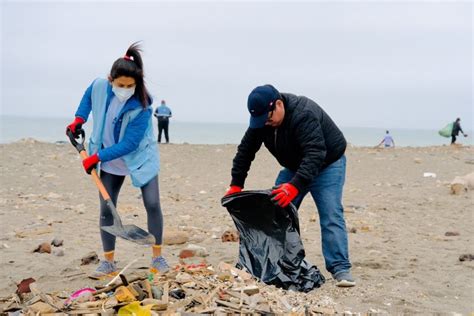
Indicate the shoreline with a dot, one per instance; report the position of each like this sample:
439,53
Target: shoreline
349,145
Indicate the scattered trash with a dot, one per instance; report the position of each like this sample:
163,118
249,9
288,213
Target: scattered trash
192,250
135,309
24,286
122,271
185,289
449,234
429,175
230,236
466,257
80,296
91,257
43,248
178,294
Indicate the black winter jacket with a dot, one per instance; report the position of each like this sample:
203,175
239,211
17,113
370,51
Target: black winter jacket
306,142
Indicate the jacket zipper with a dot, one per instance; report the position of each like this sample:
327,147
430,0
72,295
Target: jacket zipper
276,134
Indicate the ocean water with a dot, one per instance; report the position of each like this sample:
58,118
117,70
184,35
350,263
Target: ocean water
14,128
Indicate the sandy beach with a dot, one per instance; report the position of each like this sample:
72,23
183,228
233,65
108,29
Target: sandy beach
402,258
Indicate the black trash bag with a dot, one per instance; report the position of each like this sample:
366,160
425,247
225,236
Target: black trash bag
270,245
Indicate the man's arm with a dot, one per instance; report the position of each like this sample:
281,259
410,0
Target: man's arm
250,144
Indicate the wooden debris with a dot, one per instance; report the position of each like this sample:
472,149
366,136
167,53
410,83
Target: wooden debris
187,289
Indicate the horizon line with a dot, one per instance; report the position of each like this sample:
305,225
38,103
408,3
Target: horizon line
236,123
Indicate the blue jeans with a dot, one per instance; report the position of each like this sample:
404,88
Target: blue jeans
326,190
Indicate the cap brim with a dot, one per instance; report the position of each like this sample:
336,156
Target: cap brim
258,121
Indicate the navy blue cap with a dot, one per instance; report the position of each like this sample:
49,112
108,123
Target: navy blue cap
261,101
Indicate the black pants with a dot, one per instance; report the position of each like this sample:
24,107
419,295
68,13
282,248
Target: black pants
163,125
453,139
151,200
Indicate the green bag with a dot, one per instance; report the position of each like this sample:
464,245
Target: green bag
447,130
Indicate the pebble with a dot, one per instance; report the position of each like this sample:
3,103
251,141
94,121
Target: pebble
58,252
450,234
56,242
43,248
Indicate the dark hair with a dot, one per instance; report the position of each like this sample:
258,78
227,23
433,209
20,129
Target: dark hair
131,65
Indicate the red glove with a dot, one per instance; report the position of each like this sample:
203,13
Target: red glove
75,126
284,194
233,189
90,163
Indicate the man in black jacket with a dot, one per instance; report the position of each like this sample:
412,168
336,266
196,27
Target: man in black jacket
310,147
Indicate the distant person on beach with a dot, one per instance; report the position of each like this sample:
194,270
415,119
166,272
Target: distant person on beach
163,115
310,148
122,142
387,141
456,129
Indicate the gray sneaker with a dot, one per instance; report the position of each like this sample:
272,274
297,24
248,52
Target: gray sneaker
159,265
104,270
344,279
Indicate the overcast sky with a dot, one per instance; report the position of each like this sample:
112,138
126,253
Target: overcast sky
367,64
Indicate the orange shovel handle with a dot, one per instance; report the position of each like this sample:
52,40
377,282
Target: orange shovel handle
95,177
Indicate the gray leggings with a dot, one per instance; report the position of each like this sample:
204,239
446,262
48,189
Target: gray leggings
151,200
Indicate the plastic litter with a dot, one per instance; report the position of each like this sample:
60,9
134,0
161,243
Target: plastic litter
82,295
270,245
135,309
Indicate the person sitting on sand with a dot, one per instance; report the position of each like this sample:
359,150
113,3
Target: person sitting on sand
122,141
387,141
310,147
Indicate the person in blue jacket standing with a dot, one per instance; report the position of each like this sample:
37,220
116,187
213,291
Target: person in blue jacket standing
163,115
122,144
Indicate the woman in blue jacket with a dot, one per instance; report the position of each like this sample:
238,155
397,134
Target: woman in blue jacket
122,142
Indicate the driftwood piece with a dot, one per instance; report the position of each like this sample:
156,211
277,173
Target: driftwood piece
116,285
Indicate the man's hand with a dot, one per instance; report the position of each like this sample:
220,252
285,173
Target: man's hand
90,163
233,189
75,126
284,194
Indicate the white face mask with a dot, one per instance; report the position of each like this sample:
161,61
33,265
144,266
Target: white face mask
123,94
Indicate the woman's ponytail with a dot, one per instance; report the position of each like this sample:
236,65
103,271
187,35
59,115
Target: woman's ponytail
131,65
